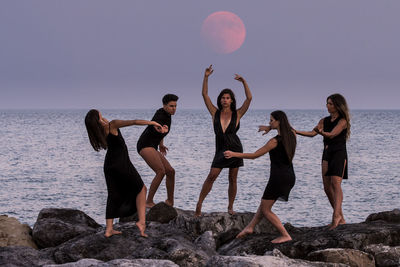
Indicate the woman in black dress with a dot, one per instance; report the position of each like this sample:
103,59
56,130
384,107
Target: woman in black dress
281,149
126,191
226,123
336,130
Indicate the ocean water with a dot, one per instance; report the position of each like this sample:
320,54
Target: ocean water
46,161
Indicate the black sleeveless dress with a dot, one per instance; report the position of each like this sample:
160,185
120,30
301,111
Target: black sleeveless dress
282,177
123,181
335,152
226,141
150,137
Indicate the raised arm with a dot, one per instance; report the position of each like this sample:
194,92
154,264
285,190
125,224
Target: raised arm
116,124
271,144
313,132
342,124
211,108
242,110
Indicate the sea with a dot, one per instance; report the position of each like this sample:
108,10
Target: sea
46,161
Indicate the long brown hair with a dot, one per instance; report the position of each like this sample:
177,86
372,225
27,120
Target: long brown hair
95,130
230,92
288,137
341,106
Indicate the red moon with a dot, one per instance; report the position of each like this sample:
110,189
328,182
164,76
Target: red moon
223,32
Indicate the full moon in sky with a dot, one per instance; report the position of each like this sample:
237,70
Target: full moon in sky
223,32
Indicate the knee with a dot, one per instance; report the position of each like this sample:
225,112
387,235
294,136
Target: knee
211,178
160,172
232,179
170,172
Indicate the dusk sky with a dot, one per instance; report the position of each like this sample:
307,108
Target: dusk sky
128,54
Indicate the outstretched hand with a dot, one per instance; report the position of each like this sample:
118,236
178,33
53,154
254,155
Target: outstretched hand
228,154
264,128
208,71
239,78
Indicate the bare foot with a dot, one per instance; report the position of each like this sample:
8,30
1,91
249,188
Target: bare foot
244,232
342,221
141,227
111,232
169,203
150,204
197,213
281,239
335,222
231,212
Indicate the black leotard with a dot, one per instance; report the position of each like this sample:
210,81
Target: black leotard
335,152
123,181
150,137
282,177
226,141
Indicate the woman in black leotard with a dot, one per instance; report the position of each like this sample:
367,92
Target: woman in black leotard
336,130
126,191
226,123
281,150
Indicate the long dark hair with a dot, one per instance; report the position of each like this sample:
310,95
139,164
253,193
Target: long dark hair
95,130
230,92
341,106
288,137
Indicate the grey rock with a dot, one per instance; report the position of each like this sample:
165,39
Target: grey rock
55,226
387,216
384,255
117,263
23,256
207,242
164,242
161,213
351,257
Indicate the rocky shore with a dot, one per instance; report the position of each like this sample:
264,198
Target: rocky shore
67,237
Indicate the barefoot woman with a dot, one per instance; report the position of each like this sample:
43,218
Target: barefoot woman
126,191
281,150
226,123
336,130
147,146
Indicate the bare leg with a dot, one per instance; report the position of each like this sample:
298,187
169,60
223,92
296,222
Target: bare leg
109,228
170,180
152,158
141,210
338,196
232,189
327,184
249,229
266,206
207,186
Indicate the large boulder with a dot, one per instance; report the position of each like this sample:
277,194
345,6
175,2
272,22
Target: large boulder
164,242
13,233
161,213
351,257
387,216
117,263
23,256
309,239
384,255
56,226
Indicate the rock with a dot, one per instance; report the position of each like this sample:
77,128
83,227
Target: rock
384,255
164,242
387,216
207,243
55,226
309,239
117,263
351,257
13,233
23,256
219,223
267,261
161,213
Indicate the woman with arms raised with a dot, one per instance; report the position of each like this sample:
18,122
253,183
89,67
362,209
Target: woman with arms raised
281,149
336,130
126,191
226,123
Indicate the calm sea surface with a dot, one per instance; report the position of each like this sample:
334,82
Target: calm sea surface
46,161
